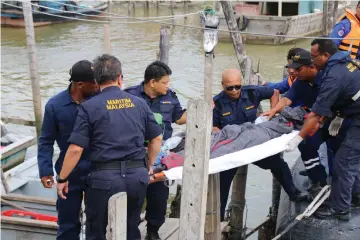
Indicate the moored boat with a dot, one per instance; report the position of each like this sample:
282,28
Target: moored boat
49,12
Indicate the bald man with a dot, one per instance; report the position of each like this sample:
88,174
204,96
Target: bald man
236,105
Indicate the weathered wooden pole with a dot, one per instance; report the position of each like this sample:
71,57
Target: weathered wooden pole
117,217
157,8
195,170
212,222
147,8
107,44
129,8
34,75
172,6
164,44
329,15
185,8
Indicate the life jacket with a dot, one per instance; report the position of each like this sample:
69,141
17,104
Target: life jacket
354,33
290,81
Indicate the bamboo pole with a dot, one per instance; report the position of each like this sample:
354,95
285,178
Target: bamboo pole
107,44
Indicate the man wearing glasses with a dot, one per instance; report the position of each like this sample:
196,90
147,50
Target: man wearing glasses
339,97
237,105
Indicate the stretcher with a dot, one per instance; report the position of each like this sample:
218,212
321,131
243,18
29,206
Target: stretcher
232,160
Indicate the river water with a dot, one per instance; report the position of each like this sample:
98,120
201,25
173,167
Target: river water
60,46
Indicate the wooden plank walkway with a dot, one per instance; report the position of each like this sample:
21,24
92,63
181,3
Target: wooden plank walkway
168,231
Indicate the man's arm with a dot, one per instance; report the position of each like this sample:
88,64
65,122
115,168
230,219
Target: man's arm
340,30
46,147
216,118
153,134
282,86
278,107
179,114
79,139
274,98
182,120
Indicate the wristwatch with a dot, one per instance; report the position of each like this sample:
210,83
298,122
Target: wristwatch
59,180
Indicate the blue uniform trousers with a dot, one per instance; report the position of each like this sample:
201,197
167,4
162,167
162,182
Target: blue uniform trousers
69,211
157,195
102,184
310,156
346,171
276,164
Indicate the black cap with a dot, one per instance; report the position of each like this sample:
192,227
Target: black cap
302,58
82,71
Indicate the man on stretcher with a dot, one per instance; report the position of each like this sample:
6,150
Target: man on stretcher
234,112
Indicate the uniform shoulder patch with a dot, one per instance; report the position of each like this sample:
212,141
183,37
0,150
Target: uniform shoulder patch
341,32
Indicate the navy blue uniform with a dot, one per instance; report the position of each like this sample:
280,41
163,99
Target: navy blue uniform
228,111
114,126
59,120
158,193
339,93
307,92
167,105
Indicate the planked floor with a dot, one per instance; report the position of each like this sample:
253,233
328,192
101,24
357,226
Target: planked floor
168,231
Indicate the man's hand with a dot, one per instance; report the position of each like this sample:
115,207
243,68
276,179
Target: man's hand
62,188
47,181
150,170
293,143
269,113
216,129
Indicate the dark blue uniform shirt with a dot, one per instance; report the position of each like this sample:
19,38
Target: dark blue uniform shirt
167,105
305,92
58,123
340,83
241,110
114,126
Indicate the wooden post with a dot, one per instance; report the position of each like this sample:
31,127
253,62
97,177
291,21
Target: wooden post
117,217
172,6
164,44
107,44
329,15
129,8
195,170
236,37
134,8
279,8
212,222
185,8
147,8
34,75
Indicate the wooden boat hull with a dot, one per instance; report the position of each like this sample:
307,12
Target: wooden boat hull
301,25
14,154
15,19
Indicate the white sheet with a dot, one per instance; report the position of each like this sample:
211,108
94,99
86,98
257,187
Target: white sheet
240,158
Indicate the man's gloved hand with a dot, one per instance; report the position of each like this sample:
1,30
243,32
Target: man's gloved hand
335,126
293,143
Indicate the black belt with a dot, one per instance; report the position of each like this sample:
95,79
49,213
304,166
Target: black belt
117,165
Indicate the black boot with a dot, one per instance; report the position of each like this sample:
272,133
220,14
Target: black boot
327,212
298,196
152,235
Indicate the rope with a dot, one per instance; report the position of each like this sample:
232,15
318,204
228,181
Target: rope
199,28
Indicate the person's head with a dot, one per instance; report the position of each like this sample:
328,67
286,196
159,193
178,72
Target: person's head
157,77
231,83
292,52
358,10
82,78
304,66
107,70
321,51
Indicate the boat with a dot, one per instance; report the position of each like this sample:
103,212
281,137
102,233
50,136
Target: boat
13,148
28,210
287,17
49,12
